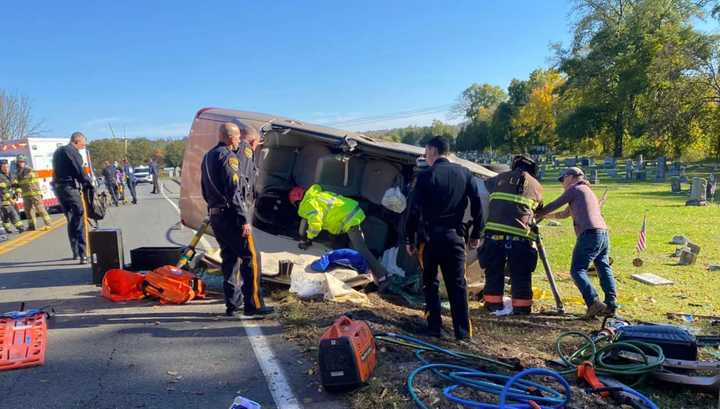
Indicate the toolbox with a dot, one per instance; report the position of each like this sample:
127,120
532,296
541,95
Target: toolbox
107,250
676,342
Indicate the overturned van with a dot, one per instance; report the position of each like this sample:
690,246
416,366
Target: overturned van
294,153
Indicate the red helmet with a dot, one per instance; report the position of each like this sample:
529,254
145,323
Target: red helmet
296,194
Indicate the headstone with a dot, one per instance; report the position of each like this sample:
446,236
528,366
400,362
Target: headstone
541,173
612,172
675,184
594,179
679,240
553,223
629,169
675,168
698,193
651,279
687,257
711,188
714,267
694,248
640,162
570,162
640,174
609,162
662,164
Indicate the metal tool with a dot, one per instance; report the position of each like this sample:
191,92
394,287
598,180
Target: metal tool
548,270
189,251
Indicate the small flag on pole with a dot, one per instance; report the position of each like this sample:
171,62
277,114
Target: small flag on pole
642,243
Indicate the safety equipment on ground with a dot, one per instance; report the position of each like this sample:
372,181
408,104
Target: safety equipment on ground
347,353
394,200
173,286
525,163
328,211
23,339
296,194
342,257
122,285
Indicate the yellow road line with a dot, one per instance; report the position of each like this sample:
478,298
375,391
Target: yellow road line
30,236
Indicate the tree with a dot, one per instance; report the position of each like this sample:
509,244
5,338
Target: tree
106,150
535,121
174,151
478,102
16,120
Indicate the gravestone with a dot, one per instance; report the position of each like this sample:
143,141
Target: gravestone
662,165
675,185
687,257
698,193
609,162
594,179
711,188
640,162
570,162
612,172
640,174
629,169
675,169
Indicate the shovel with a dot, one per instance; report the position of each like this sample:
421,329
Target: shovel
548,270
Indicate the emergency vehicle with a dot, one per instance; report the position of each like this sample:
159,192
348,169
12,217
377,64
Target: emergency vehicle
39,153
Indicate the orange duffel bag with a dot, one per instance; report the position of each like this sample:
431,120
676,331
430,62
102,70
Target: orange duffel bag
173,285
122,285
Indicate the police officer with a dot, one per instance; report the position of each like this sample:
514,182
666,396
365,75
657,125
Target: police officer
8,191
514,197
69,177
226,191
32,194
109,174
130,179
440,199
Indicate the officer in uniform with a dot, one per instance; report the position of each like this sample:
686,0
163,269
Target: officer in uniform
32,193
514,197
226,191
69,178
8,191
440,199
130,179
109,174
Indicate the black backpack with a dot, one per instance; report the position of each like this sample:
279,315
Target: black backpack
96,208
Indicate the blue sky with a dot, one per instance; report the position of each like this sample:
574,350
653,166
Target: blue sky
148,66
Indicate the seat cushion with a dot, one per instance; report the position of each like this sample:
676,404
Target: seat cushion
378,177
305,166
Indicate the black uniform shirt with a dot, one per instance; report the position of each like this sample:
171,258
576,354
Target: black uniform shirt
68,166
440,198
248,171
221,181
109,173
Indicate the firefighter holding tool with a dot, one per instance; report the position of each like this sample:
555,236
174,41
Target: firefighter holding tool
509,239
439,199
32,194
8,190
225,189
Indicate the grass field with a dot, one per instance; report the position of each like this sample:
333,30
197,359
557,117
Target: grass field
696,289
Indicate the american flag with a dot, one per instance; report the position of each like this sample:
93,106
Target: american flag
642,244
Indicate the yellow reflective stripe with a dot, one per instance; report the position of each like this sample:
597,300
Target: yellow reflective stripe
516,231
514,198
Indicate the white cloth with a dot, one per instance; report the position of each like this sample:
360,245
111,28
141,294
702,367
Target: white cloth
389,261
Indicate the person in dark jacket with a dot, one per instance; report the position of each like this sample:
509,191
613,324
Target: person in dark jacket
155,173
226,191
593,243
440,198
109,174
509,240
130,179
69,178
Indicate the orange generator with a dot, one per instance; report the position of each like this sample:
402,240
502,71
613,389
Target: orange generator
347,353
23,337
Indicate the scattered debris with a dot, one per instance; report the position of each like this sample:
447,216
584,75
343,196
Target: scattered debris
652,279
244,403
553,223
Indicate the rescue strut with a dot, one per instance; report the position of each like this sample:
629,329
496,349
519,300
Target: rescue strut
189,252
548,270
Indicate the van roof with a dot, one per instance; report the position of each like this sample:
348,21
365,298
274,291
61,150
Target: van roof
266,121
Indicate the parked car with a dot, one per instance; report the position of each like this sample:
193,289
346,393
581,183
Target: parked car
142,174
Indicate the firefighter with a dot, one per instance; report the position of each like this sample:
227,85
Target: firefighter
68,178
440,198
336,214
224,189
514,198
8,191
32,194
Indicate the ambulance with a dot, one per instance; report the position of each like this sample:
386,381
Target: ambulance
39,153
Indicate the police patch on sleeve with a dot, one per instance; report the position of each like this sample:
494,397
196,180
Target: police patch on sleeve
234,163
248,153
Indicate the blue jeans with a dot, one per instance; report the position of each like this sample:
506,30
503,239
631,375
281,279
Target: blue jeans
593,246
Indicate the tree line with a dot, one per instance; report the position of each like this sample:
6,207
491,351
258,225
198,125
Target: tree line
169,152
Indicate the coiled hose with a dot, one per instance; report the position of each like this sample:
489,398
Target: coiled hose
526,394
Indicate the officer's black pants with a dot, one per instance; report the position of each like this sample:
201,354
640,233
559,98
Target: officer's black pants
446,250
236,249
112,189
71,203
131,188
521,257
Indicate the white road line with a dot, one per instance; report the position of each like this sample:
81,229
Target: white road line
205,244
279,387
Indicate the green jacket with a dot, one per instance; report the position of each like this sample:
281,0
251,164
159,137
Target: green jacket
28,182
8,190
329,211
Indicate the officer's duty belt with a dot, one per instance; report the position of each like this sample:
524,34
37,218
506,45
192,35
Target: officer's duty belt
214,211
505,237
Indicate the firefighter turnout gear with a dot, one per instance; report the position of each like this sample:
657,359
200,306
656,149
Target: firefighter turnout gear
438,202
8,192
32,196
509,239
68,177
329,211
227,192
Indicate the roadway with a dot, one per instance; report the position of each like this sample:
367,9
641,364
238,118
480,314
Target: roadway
141,354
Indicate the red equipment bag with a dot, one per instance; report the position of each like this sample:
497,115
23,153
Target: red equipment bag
122,285
23,337
347,353
173,285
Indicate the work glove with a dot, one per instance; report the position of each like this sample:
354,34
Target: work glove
305,244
